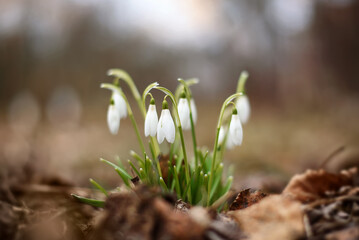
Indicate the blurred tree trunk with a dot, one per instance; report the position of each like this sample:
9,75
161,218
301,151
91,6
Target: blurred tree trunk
336,31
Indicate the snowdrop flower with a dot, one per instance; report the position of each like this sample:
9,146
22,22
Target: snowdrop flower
193,110
120,104
183,112
113,118
151,120
244,109
165,127
116,110
235,135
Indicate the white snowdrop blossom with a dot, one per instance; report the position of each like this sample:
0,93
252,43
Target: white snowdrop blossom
113,118
183,112
235,135
151,120
243,107
166,127
120,104
193,110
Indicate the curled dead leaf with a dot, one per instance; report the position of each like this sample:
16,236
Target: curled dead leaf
246,198
314,184
275,217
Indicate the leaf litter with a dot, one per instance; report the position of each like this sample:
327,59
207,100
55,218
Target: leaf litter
314,205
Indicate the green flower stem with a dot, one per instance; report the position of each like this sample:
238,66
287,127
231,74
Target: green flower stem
193,137
156,148
223,144
158,168
133,121
242,81
173,149
143,176
219,124
194,140
178,123
176,180
134,124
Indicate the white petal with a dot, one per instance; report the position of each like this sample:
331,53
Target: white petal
183,112
235,136
160,135
244,109
169,126
229,143
120,104
160,131
151,121
193,110
221,135
113,119
165,127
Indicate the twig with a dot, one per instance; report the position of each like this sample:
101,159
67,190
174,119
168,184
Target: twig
331,156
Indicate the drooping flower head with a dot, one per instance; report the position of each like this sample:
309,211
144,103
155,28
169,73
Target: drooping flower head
120,103
244,108
151,120
235,135
165,128
183,112
113,118
242,102
116,110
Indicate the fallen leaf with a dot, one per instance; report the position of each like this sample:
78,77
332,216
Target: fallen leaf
315,184
274,217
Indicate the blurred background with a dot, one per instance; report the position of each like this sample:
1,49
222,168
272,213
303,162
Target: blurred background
302,57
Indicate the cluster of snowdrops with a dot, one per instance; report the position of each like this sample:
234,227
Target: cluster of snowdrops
200,180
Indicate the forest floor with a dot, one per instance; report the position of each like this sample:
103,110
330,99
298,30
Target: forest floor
313,205
274,194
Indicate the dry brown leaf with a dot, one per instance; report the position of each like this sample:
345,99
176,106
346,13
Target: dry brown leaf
275,217
247,198
314,184
164,165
